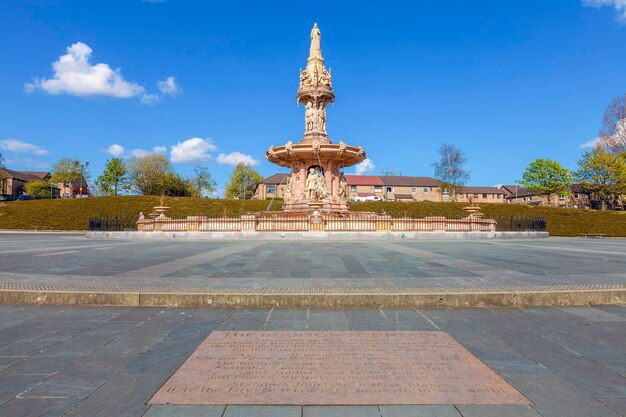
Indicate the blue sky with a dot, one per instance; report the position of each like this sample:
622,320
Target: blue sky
213,83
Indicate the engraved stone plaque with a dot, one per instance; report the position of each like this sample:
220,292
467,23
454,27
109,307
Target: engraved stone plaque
334,368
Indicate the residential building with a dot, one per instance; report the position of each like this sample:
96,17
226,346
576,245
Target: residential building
12,182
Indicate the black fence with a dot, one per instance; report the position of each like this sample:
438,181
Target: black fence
521,224
112,224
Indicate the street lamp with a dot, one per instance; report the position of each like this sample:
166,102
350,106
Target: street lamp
386,174
82,177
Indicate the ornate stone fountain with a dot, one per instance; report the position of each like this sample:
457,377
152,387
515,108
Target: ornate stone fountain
316,181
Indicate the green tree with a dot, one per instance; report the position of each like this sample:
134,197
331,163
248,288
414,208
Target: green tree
149,173
242,182
114,177
38,189
603,173
450,171
546,177
175,185
203,182
68,170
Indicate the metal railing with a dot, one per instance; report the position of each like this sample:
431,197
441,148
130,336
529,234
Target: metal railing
521,224
294,222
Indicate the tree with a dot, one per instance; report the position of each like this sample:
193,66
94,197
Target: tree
67,170
546,177
603,173
113,178
149,173
449,169
38,189
613,133
175,185
202,181
242,182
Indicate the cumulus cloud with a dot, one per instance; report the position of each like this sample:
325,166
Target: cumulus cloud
363,167
618,5
235,158
116,150
150,99
17,146
169,87
192,150
75,75
140,153
591,143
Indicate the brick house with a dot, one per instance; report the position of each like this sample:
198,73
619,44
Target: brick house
12,182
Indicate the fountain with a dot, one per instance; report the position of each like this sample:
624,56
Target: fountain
316,182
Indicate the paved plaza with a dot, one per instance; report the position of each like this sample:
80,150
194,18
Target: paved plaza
109,361
72,259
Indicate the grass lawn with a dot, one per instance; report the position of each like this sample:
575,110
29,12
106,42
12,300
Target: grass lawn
73,214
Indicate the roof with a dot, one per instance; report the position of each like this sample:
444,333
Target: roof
522,192
402,181
511,188
25,176
275,179
364,180
483,190
366,194
403,196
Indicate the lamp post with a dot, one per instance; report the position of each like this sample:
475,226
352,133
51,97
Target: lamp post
82,177
386,174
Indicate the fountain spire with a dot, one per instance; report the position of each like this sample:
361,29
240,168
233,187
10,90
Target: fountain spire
315,91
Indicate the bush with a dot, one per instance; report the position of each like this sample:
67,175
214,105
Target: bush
73,214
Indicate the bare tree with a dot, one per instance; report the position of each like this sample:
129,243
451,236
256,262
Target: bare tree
613,132
450,171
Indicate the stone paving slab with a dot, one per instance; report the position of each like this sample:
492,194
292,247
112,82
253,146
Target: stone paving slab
530,348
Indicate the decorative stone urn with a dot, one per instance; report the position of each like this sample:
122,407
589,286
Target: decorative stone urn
316,182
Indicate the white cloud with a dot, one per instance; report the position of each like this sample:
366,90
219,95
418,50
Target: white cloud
618,5
29,163
591,143
235,158
17,146
140,153
363,167
116,150
75,75
168,87
192,150
150,99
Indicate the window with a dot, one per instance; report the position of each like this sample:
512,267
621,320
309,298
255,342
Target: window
562,197
426,190
353,188
390,189
413,190
499,196
378,189
271,189
446,193
475,195
484,195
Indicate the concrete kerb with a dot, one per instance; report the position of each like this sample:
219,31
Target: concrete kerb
308,236
534,296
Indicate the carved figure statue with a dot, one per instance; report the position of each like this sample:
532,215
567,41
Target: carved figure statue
309,117
343,188
316,147
305,78
316,36
311,183
289,147
270,152
360,151
141,216
287,195
342,148
320,189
